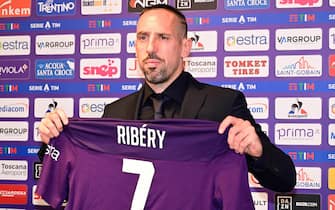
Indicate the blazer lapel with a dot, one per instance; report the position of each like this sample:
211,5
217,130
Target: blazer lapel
194,99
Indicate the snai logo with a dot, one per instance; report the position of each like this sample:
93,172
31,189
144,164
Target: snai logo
15,8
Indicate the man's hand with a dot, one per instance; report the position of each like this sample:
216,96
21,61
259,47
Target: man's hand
242,136
52,124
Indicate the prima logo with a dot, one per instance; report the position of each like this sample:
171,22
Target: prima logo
100,43
298,134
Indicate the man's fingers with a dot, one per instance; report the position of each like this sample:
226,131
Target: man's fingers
229,120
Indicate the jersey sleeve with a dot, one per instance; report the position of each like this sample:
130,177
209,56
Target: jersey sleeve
53,183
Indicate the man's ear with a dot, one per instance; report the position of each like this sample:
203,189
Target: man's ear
187,46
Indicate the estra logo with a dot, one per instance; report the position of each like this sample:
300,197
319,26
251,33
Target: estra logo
298,3
100,68
15,8
246,40
93,107
15,45
246,66
16,194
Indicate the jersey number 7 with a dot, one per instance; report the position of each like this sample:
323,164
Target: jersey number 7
146,171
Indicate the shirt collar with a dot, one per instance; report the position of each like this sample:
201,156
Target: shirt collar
175,91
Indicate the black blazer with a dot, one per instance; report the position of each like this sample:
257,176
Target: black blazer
274,170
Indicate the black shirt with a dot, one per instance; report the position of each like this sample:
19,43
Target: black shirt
175,92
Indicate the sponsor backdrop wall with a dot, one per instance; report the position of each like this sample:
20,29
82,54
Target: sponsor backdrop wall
79,55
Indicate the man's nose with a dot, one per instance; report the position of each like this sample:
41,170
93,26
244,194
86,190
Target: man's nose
152,46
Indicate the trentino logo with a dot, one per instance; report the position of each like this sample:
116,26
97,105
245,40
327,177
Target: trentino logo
246,40
15,8
55,7
95,7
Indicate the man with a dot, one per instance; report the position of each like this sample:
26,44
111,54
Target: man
161,46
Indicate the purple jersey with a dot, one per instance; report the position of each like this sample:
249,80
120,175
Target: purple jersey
110,164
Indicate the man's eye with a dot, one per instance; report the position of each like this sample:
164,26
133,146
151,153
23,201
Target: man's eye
141,37
164,37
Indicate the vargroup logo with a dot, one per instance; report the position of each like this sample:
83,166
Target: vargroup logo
259,107
100,68
298,134
298,4
93,107
14,170
260,200
246,66
100,43
55,7
13,131
196,4
15,45
44,105
14,107
331,65
297,108
55,69
139,5
55,44
298,202
331,179
332,38
331,105
95,7
246,5
299,39
203,41
299,66
15,8
246,40
331,134
16,194
14,69
201,67
308,178
133,69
